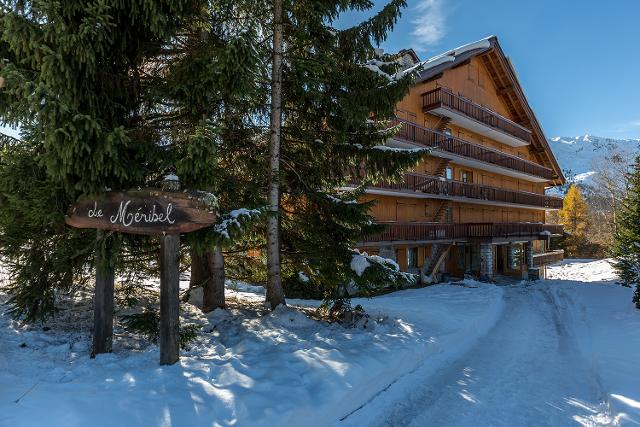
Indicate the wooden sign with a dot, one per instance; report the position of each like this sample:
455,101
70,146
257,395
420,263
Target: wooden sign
147,211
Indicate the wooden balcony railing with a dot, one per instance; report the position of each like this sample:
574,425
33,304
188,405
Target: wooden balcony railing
439,186
548,257
417,231
431,138
444,98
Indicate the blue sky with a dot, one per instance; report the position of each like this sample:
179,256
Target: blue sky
579,61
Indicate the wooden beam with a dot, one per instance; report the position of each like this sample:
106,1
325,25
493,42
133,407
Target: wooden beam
169,299
504,90
102,303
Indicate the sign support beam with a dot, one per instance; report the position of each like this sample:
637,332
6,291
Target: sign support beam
102,303
169,299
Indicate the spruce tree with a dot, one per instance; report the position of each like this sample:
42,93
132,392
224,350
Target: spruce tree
275,294
80,80
626,247
338,97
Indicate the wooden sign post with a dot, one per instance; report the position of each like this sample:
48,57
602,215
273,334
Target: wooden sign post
149,212
103,304
169,298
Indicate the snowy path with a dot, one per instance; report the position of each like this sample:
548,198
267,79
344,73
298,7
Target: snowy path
528,370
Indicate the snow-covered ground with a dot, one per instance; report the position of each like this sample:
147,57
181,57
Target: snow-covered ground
564,352
248,366
559,352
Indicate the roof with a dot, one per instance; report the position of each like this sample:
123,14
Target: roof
509,89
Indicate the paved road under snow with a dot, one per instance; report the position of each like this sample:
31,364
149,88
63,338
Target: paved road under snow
526,371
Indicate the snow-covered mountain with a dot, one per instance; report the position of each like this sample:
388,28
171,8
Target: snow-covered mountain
578,156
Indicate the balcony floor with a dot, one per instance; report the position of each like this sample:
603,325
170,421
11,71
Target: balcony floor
470,200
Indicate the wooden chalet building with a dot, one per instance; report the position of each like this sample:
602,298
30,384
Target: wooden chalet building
477,204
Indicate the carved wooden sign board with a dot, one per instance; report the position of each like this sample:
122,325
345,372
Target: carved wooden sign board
144,212
150,211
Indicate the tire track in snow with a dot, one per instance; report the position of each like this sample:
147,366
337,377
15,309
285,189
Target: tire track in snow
527,370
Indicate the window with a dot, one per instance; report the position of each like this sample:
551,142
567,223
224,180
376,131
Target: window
448,215
448,173
466,176
412,257
514,256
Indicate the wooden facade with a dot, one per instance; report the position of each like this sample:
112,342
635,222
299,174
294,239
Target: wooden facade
477,204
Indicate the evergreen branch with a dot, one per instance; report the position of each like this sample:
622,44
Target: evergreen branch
375,28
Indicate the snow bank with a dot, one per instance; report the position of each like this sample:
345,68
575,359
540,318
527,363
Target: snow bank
247,366
582,270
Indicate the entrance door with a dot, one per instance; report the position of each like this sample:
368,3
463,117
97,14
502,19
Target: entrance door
500,259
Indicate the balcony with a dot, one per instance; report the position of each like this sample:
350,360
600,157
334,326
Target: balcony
425,232
548,257
439,188
475,117
470,154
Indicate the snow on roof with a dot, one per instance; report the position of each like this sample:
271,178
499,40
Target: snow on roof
451,55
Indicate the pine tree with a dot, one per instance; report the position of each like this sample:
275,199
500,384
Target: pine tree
275,294
574,217
80,79
626,248
337,99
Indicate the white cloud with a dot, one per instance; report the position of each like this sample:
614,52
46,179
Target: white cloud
635,123
429,22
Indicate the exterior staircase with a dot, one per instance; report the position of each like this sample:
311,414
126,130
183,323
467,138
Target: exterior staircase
441,167
442,211
443,123
429,271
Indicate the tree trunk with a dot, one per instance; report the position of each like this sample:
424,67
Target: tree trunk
213,295
275,295
207,270
199,269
